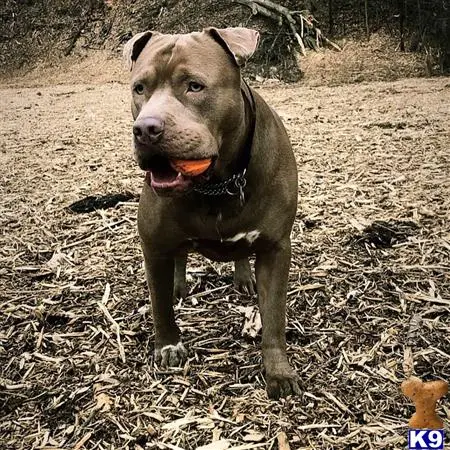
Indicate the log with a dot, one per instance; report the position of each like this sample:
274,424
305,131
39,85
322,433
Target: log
275,6
258,9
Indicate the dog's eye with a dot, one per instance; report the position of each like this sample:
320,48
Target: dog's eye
195,87
139,88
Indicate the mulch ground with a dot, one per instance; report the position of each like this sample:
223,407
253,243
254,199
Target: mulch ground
369,288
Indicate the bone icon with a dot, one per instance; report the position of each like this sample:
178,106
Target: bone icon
425,396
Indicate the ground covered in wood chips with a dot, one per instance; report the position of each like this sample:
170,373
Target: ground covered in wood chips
369,288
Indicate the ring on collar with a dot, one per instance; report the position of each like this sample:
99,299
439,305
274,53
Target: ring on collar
239,183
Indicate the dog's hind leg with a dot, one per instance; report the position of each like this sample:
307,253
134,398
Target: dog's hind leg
243,278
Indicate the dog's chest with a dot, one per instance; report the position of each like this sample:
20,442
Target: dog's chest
231,248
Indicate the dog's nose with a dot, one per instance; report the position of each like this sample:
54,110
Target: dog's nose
148,129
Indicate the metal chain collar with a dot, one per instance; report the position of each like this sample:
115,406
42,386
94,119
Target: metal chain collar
232,186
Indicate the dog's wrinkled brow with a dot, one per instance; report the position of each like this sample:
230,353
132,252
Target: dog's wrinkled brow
185,74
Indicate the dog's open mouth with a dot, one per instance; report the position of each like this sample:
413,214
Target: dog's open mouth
162,177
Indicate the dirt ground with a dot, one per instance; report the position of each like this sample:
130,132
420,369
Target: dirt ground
369,292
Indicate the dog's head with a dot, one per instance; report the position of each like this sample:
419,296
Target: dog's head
186,100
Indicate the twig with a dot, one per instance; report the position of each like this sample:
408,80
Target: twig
114,325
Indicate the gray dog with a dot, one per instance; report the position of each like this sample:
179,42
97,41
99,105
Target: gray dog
190,103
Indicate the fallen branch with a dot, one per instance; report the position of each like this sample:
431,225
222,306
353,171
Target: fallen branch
332,44
309,33
276,7
257,9
299,39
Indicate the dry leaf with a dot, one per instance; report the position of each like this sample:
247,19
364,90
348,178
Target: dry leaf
57,260
223,444
408,362
283,443
104,402
252,323
253,437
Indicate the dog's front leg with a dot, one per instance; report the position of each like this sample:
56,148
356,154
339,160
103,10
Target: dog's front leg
272,270
169,351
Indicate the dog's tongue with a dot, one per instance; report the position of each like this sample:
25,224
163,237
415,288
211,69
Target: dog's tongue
165,181
163,176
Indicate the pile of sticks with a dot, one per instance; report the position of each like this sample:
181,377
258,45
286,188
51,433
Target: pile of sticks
301,24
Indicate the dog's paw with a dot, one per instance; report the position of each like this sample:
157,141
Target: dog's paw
171,355
282,384
244,284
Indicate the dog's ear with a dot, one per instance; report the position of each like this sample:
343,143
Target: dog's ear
241,43
134,47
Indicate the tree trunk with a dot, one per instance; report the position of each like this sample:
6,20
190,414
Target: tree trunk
366,16
401,18
419,15
330,17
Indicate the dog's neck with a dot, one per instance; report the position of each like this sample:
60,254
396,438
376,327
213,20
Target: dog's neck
245,153
233,180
